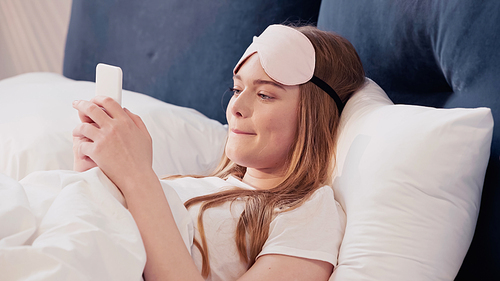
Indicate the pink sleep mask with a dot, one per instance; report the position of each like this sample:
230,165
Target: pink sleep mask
288,57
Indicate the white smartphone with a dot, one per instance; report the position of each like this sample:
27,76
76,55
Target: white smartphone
108,81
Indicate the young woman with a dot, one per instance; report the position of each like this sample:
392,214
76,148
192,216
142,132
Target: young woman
267,212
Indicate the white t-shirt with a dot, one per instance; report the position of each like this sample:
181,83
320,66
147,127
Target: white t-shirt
313,231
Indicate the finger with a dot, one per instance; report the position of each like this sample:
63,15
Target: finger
78,140
83,165
86,130
84,118
112,108
78,154
90,111
137,120
85,150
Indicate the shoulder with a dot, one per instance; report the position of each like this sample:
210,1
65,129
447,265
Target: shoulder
324,193
320,205
322,201
313,230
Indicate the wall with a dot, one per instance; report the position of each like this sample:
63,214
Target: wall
32,35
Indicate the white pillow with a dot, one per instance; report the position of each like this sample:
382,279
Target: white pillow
410,180
36,121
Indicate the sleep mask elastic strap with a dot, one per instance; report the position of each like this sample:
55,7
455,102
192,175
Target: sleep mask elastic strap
331,92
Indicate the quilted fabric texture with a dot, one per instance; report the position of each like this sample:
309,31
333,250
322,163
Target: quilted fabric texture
441,53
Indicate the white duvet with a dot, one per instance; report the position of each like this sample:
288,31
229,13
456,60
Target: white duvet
64,225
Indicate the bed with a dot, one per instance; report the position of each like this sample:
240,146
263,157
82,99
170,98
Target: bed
418,155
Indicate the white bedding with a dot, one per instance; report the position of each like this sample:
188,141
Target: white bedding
64,225
391,161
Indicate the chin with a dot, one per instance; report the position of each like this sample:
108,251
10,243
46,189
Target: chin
237,161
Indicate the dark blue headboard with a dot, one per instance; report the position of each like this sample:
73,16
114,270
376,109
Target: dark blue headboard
440,53
179,51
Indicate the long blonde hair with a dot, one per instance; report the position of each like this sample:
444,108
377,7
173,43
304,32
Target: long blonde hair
310,160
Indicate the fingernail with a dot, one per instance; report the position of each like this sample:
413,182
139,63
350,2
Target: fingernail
75,102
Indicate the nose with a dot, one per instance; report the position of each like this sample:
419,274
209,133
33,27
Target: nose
240,105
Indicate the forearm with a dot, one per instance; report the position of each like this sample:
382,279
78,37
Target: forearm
167,256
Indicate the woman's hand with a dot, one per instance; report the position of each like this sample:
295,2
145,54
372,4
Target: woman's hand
81,162
114,139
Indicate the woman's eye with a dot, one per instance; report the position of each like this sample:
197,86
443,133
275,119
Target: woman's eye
235,91
264,97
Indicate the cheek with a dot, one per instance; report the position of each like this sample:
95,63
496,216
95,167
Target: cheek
283,130
286,136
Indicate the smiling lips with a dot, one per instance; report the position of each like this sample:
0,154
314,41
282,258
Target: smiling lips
238,132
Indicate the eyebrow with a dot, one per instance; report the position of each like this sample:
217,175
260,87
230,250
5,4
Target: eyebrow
262,82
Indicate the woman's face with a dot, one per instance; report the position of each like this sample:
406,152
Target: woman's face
262,117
